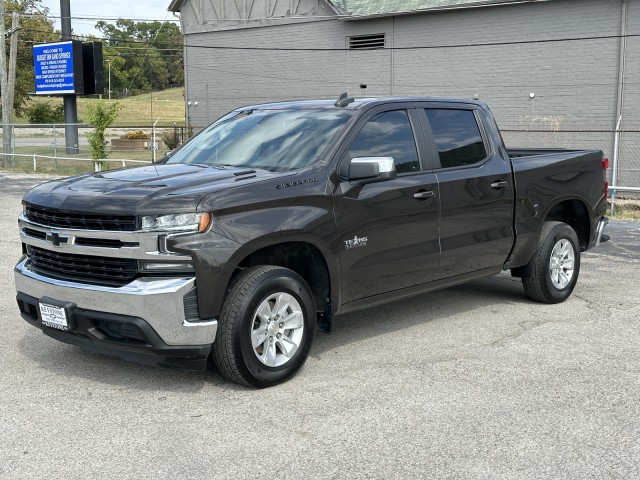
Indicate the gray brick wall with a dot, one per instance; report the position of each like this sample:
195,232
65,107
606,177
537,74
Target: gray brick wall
575,82
220,80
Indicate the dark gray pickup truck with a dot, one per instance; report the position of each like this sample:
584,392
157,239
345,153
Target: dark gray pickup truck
238,245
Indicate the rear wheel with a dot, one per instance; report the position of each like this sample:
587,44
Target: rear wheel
552,273
266,327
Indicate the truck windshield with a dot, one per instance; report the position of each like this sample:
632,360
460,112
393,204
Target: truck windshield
274,140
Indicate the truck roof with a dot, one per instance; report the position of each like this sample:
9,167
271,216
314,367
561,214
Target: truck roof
356,104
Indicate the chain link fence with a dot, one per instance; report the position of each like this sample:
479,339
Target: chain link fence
42,148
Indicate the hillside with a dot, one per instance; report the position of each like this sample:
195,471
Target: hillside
168,107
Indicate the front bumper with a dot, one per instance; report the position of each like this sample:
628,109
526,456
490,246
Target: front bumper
144,321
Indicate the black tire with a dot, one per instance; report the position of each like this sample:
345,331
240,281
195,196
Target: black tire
543,283
233,352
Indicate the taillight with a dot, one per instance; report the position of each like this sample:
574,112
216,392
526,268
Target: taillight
605,166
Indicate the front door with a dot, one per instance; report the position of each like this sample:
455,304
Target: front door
388,231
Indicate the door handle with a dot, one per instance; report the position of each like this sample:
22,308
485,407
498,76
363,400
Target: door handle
498,185
424,195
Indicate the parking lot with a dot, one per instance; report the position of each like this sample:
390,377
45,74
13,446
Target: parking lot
473,382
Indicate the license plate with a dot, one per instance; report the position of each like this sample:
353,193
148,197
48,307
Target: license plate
54,316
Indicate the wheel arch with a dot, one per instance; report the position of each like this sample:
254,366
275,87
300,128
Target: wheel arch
302,257
302,253
575,213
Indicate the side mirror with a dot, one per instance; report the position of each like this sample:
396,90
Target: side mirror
364,170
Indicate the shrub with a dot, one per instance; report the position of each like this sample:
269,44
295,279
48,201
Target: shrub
171,138
45,113
135,135
101,117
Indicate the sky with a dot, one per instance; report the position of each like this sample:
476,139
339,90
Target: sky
109,11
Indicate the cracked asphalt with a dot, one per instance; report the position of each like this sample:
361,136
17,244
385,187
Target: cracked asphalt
473,382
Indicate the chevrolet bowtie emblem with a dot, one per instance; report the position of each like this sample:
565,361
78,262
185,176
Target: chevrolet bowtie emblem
54,237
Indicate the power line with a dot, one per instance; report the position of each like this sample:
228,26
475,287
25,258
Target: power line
146,56
418,47
119,47
413,47
105,39
96,17
474,84
424,47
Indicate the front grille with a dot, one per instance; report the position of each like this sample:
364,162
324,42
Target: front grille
35,233
103,243
78,220
85,241
84,268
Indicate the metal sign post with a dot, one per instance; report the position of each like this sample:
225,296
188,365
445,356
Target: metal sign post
70,102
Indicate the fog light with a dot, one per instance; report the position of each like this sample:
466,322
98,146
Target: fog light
165,267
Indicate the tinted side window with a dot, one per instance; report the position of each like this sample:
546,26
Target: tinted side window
388,134
457,137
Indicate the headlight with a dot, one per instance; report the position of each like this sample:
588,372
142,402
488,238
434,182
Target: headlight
176,222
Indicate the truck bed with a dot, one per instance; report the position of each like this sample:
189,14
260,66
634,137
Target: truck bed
531,152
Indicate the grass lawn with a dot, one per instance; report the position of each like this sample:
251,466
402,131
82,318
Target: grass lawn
625,209
64,167
67,167
167,105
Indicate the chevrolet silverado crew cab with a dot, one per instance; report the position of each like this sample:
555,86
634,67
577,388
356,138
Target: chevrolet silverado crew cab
235,247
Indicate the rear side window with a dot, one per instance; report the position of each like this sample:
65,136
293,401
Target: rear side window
388,134
457,137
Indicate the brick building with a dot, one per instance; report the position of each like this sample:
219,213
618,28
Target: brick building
555,72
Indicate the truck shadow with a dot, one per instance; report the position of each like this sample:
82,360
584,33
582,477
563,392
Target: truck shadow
59,359
488,293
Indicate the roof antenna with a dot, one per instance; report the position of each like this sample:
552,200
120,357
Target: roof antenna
344,100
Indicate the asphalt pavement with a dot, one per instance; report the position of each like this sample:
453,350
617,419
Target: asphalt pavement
473,382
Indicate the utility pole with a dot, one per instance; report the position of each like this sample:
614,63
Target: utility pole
4,88
70,103
13,59
11,80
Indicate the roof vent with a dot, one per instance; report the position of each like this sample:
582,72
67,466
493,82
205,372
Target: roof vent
366,42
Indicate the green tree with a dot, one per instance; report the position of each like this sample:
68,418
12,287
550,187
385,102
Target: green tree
144,56
35,27
101,116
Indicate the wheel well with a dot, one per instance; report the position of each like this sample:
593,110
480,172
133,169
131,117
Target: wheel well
303,258
575,214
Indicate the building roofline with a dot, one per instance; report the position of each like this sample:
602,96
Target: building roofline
465,6
176,5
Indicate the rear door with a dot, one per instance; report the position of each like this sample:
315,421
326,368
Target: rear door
388,231
476,189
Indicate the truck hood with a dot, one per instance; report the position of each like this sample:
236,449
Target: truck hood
154,189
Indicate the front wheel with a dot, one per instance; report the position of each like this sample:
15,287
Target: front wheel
552,273
266,327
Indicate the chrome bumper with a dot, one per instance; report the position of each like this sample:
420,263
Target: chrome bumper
158,301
